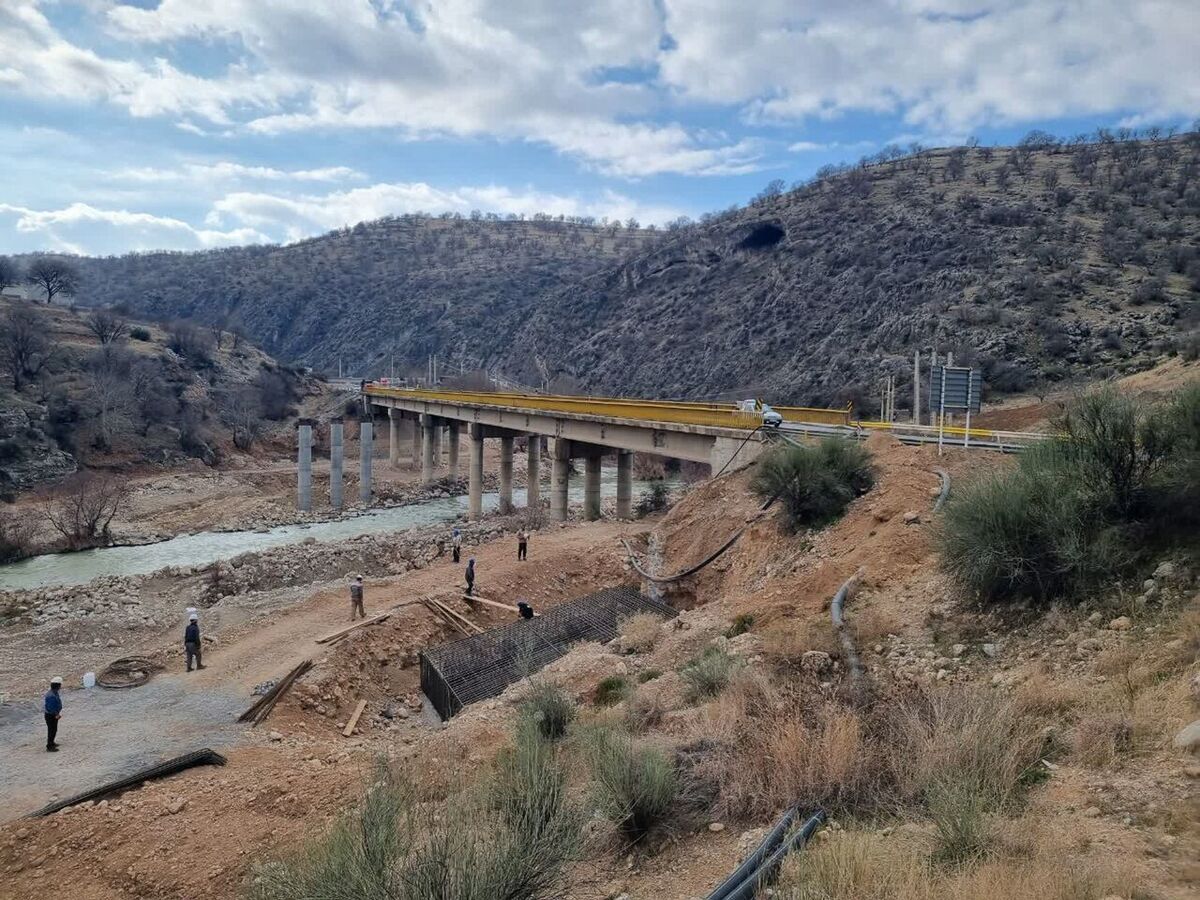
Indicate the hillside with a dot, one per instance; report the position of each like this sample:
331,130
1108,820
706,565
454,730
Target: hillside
407,286
1039,263
78,391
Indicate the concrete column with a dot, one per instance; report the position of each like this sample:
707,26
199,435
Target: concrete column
428,430
453,428
365,452
395,417
591,489
506,474
560,480
533,492
304,437
475,474
624,484
437,442
416,441
336,441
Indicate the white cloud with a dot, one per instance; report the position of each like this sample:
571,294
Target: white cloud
207,173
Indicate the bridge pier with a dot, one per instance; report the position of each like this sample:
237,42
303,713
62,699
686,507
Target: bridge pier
533,497
560,468
428,432
475,473
336,439
506,474
304,435
365,452
591,488
624,484
416,440
395,418
453,428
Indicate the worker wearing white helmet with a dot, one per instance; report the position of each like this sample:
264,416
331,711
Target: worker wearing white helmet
52,708
191,642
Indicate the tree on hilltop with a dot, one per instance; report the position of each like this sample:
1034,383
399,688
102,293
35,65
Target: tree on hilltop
54,276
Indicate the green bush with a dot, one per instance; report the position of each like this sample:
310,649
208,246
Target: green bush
815,483
548,708
656,499
512,838
611,690
741,624
635,787
707,675
138,333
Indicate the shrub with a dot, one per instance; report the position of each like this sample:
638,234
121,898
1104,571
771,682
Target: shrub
639,632
707,675
740,625
644,710
656,499
636,788
959,815
815,483
548,708
611,690
138,333
648,675
16,537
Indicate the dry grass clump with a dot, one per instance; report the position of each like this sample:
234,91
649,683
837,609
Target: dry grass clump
1042,697
639,633
857,865
708,674
1100,738
634,786
870,626
645,711
785,642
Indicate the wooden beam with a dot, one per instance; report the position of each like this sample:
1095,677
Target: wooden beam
342,632
475,598
358,710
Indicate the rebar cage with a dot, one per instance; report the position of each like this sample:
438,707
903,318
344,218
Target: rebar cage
474,668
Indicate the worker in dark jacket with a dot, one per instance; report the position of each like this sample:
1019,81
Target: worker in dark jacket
191,642
356,598
470,575
52,708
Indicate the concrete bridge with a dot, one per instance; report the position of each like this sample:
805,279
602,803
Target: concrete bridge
431,424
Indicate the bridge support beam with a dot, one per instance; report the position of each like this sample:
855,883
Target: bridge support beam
560,480
304,435
416,440
506,474
395,418
336,451
533,493
475,474
624,484
453,428
591,488
428,434
366,451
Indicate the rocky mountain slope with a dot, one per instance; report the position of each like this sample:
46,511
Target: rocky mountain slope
1039,263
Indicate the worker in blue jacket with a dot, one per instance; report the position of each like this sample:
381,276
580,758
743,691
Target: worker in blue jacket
52,707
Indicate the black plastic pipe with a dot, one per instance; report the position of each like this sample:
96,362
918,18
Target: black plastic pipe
769,870
750,864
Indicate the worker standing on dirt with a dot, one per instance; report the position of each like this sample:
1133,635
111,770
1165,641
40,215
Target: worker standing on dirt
456,544
470,575
191,642
522,544
52,707
356,598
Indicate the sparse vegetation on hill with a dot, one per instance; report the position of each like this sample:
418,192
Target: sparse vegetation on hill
815,483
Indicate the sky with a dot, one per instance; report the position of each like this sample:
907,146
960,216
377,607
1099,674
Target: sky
198,124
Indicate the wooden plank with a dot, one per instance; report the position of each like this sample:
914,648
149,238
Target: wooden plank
283,688
460,617
445,617
465,625
342,632
358,710
475,598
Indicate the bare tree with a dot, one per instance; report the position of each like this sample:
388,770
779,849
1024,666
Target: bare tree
10,274
24,349
54,276
242,410
107,325
84,506
111,392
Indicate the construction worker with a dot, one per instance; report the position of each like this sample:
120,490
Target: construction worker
52,708
470,575
456,544
356,598
524,610
191,642
522,544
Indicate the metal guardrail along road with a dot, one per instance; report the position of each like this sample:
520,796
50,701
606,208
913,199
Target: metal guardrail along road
798,420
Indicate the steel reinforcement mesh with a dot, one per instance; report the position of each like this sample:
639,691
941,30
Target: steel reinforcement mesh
474,668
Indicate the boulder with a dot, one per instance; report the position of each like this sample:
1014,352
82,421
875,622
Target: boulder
1188,738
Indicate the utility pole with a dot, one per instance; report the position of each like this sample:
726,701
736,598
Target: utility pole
917,387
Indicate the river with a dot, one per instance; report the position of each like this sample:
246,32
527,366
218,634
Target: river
60,569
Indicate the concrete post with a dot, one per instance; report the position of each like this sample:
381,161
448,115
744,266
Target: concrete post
591,489
428,430
395,416
560,480
437,443
475,474
506,474
533,493
365,452
304,436
416,441
624,484
453,428
336,439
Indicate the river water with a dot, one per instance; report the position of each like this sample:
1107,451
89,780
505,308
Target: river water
58,569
